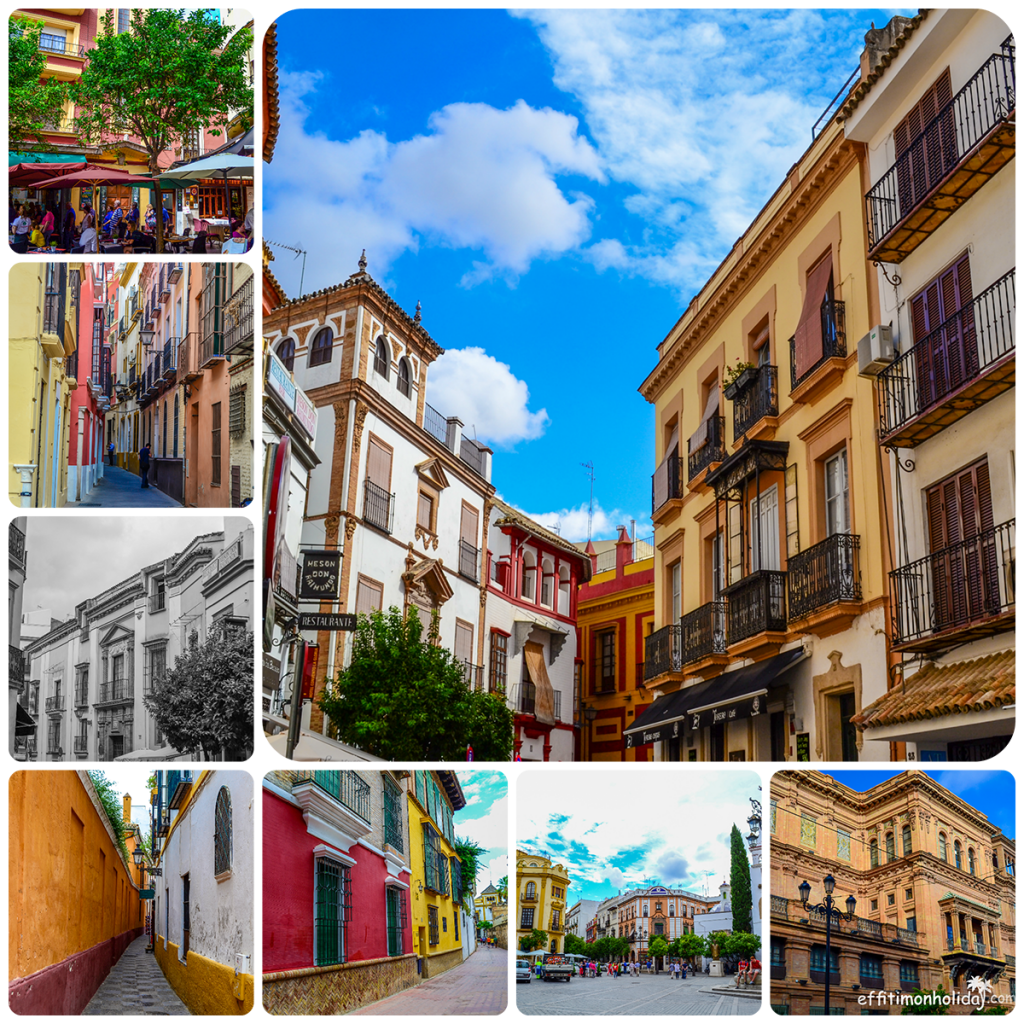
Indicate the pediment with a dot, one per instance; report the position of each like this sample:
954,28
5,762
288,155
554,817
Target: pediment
428,573
116,634
432,471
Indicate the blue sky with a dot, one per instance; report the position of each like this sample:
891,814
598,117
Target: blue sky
484,820
618,829
991,792
553,187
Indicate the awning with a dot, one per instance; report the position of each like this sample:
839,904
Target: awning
727,698
24,725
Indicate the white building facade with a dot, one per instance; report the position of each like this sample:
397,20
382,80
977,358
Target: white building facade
936,120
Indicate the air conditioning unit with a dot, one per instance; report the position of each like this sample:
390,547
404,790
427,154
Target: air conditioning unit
875,351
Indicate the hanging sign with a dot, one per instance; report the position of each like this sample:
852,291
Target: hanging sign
321,575
330,622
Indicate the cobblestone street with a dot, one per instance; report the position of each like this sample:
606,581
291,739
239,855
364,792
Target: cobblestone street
118,488
477,986
135,986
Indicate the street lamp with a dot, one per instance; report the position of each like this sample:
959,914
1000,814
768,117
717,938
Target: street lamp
828,908
589,713
146,336
754,821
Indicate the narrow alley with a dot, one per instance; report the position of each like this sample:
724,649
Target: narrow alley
118,488
135,986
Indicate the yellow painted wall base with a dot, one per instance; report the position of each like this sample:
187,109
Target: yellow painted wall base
438,963
339,988
203,985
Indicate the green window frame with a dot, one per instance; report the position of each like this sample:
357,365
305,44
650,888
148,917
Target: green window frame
333,908
393,831
435,933
396,914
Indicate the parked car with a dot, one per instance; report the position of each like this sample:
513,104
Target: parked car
556,967
523,970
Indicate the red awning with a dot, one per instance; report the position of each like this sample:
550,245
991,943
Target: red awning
27,174
94,174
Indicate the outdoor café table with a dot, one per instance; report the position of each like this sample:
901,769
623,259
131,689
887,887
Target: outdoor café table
46,248
175,242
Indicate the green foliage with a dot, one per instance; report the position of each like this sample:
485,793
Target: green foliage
741,944
922,1005
404,698
574,944
688,946
484,924
608,948
113,806
205,701
739,882
502,887
535,940
469,853
31,104
658,946
991,1011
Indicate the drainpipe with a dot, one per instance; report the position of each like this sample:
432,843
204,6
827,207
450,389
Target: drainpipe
25,470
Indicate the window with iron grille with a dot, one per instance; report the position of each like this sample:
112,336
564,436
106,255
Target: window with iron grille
432,920
393,832
435,862
215,458
455,922
333,899
396,916
499,662
456,868
236,412
606,654
526,921
222,832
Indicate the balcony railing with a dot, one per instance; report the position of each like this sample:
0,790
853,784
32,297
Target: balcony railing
759,400
174,272
756,604
188,357
60,47
663,651
116,690
81,745
469,558
56,704
833,340
793,910
667,482
16,544
712,450
378,506
703,631
169,362
435,424
984,103
81,697
348,788
953,359
966,588
824,574
238,317
15,664
474,675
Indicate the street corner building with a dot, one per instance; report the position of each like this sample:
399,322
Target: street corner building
541,888
74,897
203,898
361,886
934,886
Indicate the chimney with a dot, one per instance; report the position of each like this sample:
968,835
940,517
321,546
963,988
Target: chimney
623,551
127,807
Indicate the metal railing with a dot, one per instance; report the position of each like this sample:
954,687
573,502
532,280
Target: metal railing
57,703
117,689
833,340
958,586
170,357
756,604
348,788
435,424
238,316
824,574
759,400
474,675
378,506
663,651
174,272
81,696
60,47
81,745
703,631
15,664
713,449
473,455
16,544
980,106
956,353
469,558
795,911
667,482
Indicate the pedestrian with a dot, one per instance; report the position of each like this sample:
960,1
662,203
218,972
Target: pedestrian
68,228
115,217
150,219
22,226
110,452
144,464
46,225
88,240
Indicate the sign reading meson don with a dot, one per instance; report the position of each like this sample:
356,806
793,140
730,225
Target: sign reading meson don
321,575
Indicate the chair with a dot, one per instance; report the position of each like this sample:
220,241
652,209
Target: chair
199,245
20,247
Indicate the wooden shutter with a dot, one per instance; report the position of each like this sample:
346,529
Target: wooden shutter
931,145
469,525
378,464
215,446
369,596
463,642
236,485
424,508
808,343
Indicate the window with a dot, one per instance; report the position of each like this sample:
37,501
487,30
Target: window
911,924
499,662
393,831
870,967
818,959
455,921
778,952
890,899
531,891
659,927
435,862
529,577
381,358
236,414
837,495
924,163
606,660
890,847
958,855
555,919
908,847
322,347
526,920
215,458
425,512
970,860
456,869
843,844
764,530
174,449
395,900
333,898
676,573
222,838
286,353
943,851
435,933
874,904
874,853
908,894
908,973
404,382
369,596
157,667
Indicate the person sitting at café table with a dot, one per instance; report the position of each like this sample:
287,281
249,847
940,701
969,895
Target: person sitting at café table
89,238
141,242
36,238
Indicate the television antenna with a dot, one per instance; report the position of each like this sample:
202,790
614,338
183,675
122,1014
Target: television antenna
589,467
298,252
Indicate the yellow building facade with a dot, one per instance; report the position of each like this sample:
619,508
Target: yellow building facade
435,869
934,882
43,334
542,888
770,574
615,615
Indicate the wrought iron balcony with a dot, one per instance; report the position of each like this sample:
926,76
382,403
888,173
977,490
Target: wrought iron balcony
703,631
667,482
469,558
58,46
81,696
174,272
81,746
824,574
759,400
56,705
116,691
238,318
756,604
378,506
348,788
435,424
663,651
188,358
16,545
966,361
968,141
474,675
833,341
712,450
794,911
964,591
15,664
170,358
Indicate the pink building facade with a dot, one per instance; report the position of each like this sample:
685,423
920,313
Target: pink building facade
337,931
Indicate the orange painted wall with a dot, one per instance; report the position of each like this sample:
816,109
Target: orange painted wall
68,886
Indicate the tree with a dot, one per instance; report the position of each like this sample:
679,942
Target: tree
924,1002
469,853
574,944
688,946
31,104
658,947
205,701
502,888
742,944
174,74
106,791
535,940
404,698
739,881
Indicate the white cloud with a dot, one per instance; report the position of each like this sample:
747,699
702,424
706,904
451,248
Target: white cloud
486,395
479,178
571,523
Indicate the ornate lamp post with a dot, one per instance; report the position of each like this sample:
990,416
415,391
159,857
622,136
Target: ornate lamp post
828,908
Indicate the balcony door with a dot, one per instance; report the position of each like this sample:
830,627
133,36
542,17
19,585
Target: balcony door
764,531
837,494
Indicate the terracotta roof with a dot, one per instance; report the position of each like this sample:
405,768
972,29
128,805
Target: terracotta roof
864,87
984,684
270,93
271,300
513,517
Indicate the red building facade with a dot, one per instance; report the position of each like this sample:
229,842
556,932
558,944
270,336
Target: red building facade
335,891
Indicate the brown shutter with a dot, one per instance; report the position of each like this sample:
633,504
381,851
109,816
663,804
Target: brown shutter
463,642
469,524
424,507
369,596
236,485
215,457
808,342
378,464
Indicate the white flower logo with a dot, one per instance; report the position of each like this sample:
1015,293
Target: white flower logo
980,985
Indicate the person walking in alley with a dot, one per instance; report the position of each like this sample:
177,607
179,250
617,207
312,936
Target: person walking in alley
110,452
144,464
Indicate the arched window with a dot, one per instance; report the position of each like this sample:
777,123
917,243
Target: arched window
958,855
890,848
222,832
874,853
531,890
970,860
381,358
322,347
907,844
286,353
404,381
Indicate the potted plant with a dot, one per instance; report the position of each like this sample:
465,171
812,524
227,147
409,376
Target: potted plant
738,377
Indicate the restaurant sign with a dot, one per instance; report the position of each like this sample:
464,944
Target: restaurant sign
746,707
321,575
331,622
664,731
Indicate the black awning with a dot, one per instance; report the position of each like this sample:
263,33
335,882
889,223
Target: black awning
24,724
665,717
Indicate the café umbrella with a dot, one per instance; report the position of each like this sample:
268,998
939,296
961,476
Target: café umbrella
223,165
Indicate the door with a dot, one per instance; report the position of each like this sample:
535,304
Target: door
777,728
837,495
186,921
718,742
847,730
764,530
